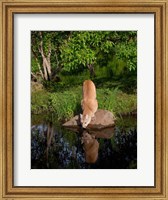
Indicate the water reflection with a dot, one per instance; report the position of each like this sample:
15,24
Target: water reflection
58,148
90,146
90,143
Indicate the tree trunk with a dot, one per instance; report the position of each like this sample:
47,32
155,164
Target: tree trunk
59,66
44,68
91,70
34,77
46,59
38,64
48,63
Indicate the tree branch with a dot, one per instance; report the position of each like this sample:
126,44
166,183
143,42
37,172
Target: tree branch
38,64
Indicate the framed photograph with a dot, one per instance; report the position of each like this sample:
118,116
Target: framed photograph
83,99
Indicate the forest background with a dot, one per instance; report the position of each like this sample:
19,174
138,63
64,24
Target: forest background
62,60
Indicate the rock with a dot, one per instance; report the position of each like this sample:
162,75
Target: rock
73,122
103,119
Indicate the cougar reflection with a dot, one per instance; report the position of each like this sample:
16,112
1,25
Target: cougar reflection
90,146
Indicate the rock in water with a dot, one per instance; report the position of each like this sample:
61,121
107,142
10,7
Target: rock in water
102,119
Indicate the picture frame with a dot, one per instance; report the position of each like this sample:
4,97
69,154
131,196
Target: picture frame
8,10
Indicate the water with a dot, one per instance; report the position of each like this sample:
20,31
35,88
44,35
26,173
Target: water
54,147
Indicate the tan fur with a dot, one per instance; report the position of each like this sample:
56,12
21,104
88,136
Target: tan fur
89,103
90,146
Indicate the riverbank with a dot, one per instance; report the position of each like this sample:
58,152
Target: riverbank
66,103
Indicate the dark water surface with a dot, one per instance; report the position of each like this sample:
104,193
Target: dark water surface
54,147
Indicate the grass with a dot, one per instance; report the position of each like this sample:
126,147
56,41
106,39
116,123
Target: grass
66,103
116,101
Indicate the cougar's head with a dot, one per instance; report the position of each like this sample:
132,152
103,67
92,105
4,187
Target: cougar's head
85,120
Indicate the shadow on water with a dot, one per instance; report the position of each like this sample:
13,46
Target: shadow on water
54,147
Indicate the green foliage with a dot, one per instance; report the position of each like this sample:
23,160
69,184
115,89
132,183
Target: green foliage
128,53
77,52
73,51
40,102
94,47
116,101
34,65
51,40
66,104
